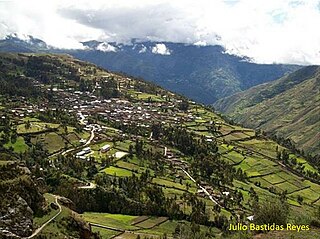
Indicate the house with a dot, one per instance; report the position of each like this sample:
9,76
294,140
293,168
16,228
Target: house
105,148
80,154
86,150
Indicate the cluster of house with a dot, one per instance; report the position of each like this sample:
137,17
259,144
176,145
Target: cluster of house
82,154
87,103
175,160
179,164
87,151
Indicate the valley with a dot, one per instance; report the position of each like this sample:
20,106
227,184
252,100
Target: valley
287,109
133,160
204,74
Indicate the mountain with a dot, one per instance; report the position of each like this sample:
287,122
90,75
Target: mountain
202,73
105,155
288,107
15,43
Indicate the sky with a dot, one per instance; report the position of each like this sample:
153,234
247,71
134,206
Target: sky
268,31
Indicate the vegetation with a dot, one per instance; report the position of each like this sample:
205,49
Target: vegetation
287,109
148,160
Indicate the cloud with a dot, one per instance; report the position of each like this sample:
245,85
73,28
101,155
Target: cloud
105,47
160,49
282,31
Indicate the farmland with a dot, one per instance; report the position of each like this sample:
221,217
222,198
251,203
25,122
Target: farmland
135,159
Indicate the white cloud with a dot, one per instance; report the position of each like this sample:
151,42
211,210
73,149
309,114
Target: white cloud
160,49
105,47
283,31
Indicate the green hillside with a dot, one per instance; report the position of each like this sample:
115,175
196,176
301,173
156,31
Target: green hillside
288,107
135,160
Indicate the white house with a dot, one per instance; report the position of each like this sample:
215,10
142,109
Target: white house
86,150
105,148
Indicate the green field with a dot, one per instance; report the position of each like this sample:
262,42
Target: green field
151,222
119,221
19,146
119,172
35,127
39,220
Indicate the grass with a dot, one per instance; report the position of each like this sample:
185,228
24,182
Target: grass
119,172
273,178
224,148
265,147
55,230
167,183
234,156
19,146
151,222
39,220
51,141
169,227
35,127
123,145
287,186
128,166
119,221
104,233
31,119
139,219
145,96
150,226
308,194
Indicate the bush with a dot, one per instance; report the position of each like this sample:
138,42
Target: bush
271,211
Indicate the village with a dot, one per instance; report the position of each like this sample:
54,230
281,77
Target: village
141,113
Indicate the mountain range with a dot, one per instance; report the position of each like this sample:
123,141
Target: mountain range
202,73
251,94
289,107
91,154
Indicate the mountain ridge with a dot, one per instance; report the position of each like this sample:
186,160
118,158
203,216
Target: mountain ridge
288,107
202,73
129,155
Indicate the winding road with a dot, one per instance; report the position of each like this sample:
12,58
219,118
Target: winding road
69,150
91,136
202,188
91,185
38,230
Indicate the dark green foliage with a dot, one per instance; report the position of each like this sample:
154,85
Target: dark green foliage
271,211
184,105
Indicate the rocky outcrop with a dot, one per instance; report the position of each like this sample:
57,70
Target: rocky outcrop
20,199
17,220
67,203
76,223
5,234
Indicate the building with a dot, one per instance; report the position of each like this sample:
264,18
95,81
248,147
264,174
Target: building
86,150
105,148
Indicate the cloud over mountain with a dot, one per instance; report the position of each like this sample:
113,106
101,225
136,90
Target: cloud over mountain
266,31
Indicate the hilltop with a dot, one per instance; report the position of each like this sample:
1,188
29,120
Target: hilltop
133,159
202,73
288,107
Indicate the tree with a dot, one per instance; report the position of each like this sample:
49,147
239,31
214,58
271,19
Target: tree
27,125
130,151
300,199
183,105
273,210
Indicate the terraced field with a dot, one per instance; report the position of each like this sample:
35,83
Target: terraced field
126,226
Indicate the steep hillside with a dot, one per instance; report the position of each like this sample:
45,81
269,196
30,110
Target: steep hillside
202,73
288,107
136,160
